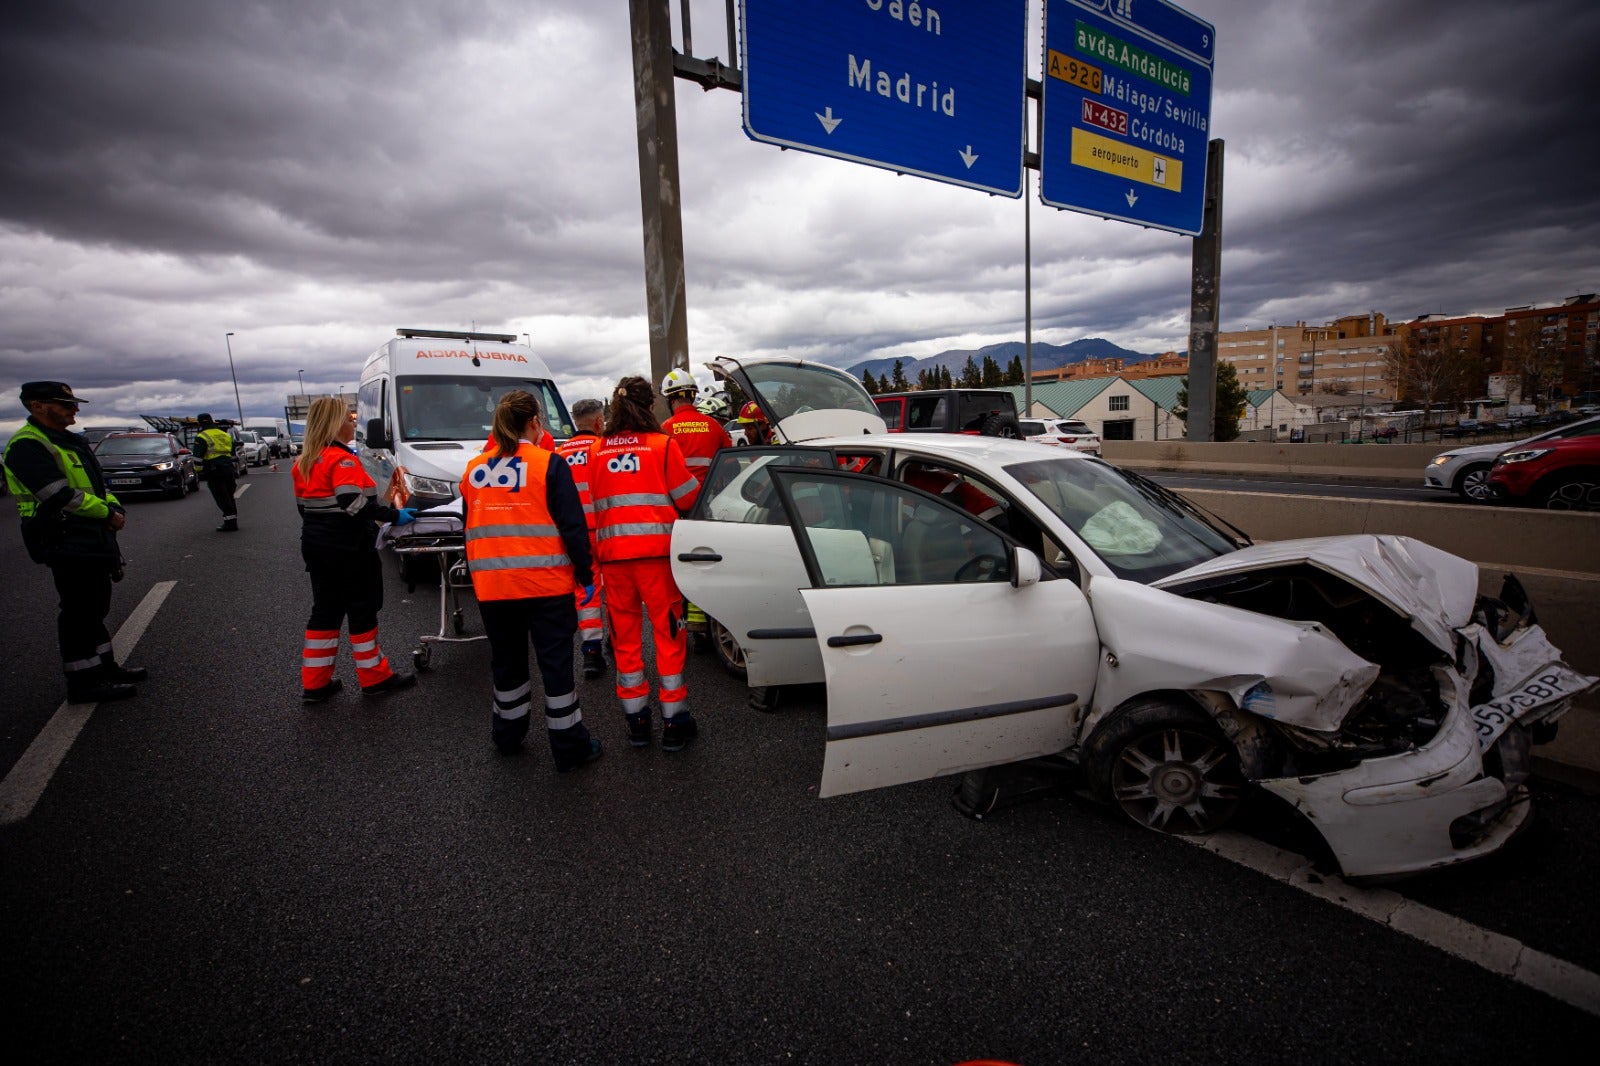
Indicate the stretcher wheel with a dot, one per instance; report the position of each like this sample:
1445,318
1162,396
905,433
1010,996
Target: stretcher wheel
421,656
458,622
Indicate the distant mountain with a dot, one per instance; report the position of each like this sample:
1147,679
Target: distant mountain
1045,357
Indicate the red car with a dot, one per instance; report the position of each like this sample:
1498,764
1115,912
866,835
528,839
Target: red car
1562,474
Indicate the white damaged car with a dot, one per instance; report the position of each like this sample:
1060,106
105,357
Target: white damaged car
1094,615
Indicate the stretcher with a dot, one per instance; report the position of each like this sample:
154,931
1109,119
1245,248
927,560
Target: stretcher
441,533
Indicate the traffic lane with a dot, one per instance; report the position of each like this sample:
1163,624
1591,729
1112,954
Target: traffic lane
233,870
426,894
157,533
1354,488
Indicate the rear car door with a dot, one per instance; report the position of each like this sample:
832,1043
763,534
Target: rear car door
735,558
942,649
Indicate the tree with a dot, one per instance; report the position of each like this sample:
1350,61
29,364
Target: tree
971,376
928,377
990,378
1014,372
1232,399
947,380
869,382
897,378
1535,360
1426,369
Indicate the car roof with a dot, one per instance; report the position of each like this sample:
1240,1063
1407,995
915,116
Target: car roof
136,433
974,450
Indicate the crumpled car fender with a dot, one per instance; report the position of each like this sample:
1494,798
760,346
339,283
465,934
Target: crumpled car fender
1158,640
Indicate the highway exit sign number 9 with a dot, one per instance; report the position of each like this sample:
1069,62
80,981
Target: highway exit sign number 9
935,88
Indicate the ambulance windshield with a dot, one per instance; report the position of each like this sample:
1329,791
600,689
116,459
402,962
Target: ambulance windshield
449,407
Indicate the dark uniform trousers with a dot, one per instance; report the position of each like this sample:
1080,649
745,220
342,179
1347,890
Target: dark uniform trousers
344,584
224,482
548,622
84,586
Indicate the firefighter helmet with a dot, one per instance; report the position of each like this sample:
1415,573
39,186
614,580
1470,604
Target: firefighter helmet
751,412
678,381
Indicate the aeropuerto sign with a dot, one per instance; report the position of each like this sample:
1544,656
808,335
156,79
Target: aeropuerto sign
1126,111
936,89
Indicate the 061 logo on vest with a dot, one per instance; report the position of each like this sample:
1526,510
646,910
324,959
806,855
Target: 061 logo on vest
578,459
626,463
504,473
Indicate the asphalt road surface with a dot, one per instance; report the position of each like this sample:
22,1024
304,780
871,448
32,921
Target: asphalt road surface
216,873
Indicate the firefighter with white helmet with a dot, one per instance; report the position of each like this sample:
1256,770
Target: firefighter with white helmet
700,437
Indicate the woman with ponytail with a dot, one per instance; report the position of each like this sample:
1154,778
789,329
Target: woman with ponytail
527,545
340,511
638,482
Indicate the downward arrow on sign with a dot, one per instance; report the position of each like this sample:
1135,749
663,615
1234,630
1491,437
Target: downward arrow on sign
1132,199
967,157
828,121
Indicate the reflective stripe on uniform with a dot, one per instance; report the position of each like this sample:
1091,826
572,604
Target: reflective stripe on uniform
631,678
633,499
81,664
688,488
512,530
558,702
513,694
320,660
518,562
634,529
322,642
635,704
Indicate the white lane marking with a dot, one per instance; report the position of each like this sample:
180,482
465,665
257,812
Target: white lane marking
29,777
1498,954
240,491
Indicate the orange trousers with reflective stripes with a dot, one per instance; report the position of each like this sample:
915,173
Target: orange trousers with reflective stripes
636,588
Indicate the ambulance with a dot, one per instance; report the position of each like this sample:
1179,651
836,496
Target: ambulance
426,403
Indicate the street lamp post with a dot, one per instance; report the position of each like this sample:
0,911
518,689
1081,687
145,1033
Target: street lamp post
227,338
305,406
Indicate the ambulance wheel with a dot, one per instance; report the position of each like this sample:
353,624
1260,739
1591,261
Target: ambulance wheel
458,622
421,656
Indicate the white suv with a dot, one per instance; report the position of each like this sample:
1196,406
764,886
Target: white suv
252,450
1062,432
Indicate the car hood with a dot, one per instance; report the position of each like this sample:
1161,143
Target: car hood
1435,590
130,462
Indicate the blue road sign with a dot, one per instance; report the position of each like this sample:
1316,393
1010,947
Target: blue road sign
1126,111
935,88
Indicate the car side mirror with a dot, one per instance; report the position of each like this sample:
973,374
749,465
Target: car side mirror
375,435
184,451
1025,567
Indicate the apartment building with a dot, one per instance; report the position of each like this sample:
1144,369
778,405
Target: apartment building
1347,354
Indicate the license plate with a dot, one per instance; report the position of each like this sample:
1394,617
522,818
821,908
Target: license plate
125,481
1553,683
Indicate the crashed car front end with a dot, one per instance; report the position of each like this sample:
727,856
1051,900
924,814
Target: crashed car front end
1377,694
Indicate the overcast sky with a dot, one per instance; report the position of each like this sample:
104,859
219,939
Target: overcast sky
311,174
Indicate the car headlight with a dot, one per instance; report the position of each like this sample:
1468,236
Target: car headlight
168,465
1440,460
427,486
1522,456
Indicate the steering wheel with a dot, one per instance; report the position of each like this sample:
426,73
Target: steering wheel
981,568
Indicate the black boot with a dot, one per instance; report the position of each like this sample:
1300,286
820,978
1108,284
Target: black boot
230,524
93,686
594,661
125,675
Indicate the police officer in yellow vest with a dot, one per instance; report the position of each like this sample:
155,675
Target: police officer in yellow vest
69,523
214,447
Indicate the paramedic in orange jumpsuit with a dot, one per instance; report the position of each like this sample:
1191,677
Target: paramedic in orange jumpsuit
589,419
340,511
639,483
701,437
527,543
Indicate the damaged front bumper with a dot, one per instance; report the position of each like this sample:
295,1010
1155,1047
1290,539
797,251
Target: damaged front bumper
1461,795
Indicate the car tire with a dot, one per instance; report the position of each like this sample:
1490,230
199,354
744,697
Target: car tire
726,645
1167,765
1472,484
1575,491
181,489
1002,426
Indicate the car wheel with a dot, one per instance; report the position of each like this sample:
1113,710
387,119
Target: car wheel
1167,765
1573,492
1002,426
1472,484
729,653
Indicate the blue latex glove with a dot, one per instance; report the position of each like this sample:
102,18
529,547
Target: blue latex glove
405,516
588,594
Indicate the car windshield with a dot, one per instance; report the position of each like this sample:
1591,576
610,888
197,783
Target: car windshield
461,407
1140,530
134,446
1589,428
791,390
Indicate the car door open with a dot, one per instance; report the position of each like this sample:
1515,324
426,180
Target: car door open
942,649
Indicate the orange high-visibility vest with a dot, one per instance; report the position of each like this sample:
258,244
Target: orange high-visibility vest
575,450
638,482
514,550
699,435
